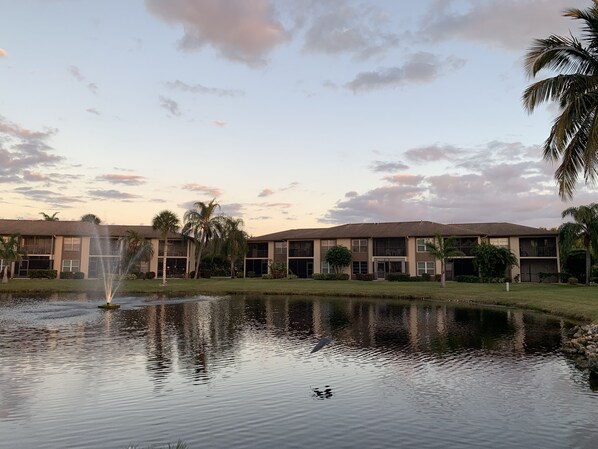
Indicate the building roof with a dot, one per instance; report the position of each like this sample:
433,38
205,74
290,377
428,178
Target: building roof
404,229
73,228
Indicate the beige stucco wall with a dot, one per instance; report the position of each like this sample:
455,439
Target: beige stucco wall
514,247
317,256
57,264
84,262
411,256
153,265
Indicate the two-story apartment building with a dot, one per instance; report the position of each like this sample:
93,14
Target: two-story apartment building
77,246
400,247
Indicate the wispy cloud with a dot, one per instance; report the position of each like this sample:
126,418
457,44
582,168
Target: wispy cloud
112,195
420,67
219,123
387,167
130,180
213,192
92,111
269,191
76,73
170,105
203,90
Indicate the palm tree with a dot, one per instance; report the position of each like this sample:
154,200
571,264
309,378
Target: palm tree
91,218
584,228
165,222
135,247
47,217
443,249
201,225
234,241
10,251
573,138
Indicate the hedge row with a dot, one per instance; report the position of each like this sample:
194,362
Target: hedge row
402,277
330,276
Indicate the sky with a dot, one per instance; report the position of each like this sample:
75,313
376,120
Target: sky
290,113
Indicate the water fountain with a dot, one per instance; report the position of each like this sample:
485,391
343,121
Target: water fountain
115,259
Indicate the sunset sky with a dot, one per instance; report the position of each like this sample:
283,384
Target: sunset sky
291,113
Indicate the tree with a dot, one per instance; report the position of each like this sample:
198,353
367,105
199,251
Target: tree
573,138
165,222
201,225
584,228
339,257
135,248
52,217
91,218
234,241
10,251
494,261
443,249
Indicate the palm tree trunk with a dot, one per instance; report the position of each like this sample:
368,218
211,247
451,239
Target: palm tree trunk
442,274
232,268
198,261
588,265
164,261
5,274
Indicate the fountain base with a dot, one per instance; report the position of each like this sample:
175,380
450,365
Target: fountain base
109,306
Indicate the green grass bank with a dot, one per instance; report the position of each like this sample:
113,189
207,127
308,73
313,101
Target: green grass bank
569,301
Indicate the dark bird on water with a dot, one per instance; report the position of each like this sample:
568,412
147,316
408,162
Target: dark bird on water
323,342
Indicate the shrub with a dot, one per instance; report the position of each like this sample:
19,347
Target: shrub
43,274
67,275
205,273
594,280
78,275
572,281
426,277
330,276
364,277
131,277
150,275
467,278
250,274
139,274
267,276
398,277
278,270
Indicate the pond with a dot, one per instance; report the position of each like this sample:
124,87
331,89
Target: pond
237,372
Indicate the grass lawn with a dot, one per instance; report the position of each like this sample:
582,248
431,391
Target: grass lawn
576,302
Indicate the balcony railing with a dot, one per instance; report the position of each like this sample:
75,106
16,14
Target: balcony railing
537,252
301,252
257,254
38,249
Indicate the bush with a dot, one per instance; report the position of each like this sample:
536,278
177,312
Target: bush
78,275
150,275
572,281
467,278
139,274
131,277
267,276
43,274
398,277
364,277
330,276
67,275
205,273
426,277
250,274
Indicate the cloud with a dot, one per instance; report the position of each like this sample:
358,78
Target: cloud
484,21
23,151
387,167
93,87
433,153
351,29
421,67
3,53
219,123
233,209
92,111
240,30
48,197
496,187
130,180
112,195
76,73
203,90
214,192
266,192
170,105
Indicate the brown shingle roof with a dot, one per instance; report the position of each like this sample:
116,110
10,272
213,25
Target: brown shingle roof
399,229
504,229
73,228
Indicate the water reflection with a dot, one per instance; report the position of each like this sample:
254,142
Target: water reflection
214,354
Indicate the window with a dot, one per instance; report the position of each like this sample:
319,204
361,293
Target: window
72,243
426,267
71,265
280,248
360,267
327,244
359,245
326,268
421,245
502,242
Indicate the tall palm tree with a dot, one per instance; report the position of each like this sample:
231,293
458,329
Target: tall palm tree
234,241
10,251
165,222
201,225
443,249
52,217
573,139
584,228
135,248
91,218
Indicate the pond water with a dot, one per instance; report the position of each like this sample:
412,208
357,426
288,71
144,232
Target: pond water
237,372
